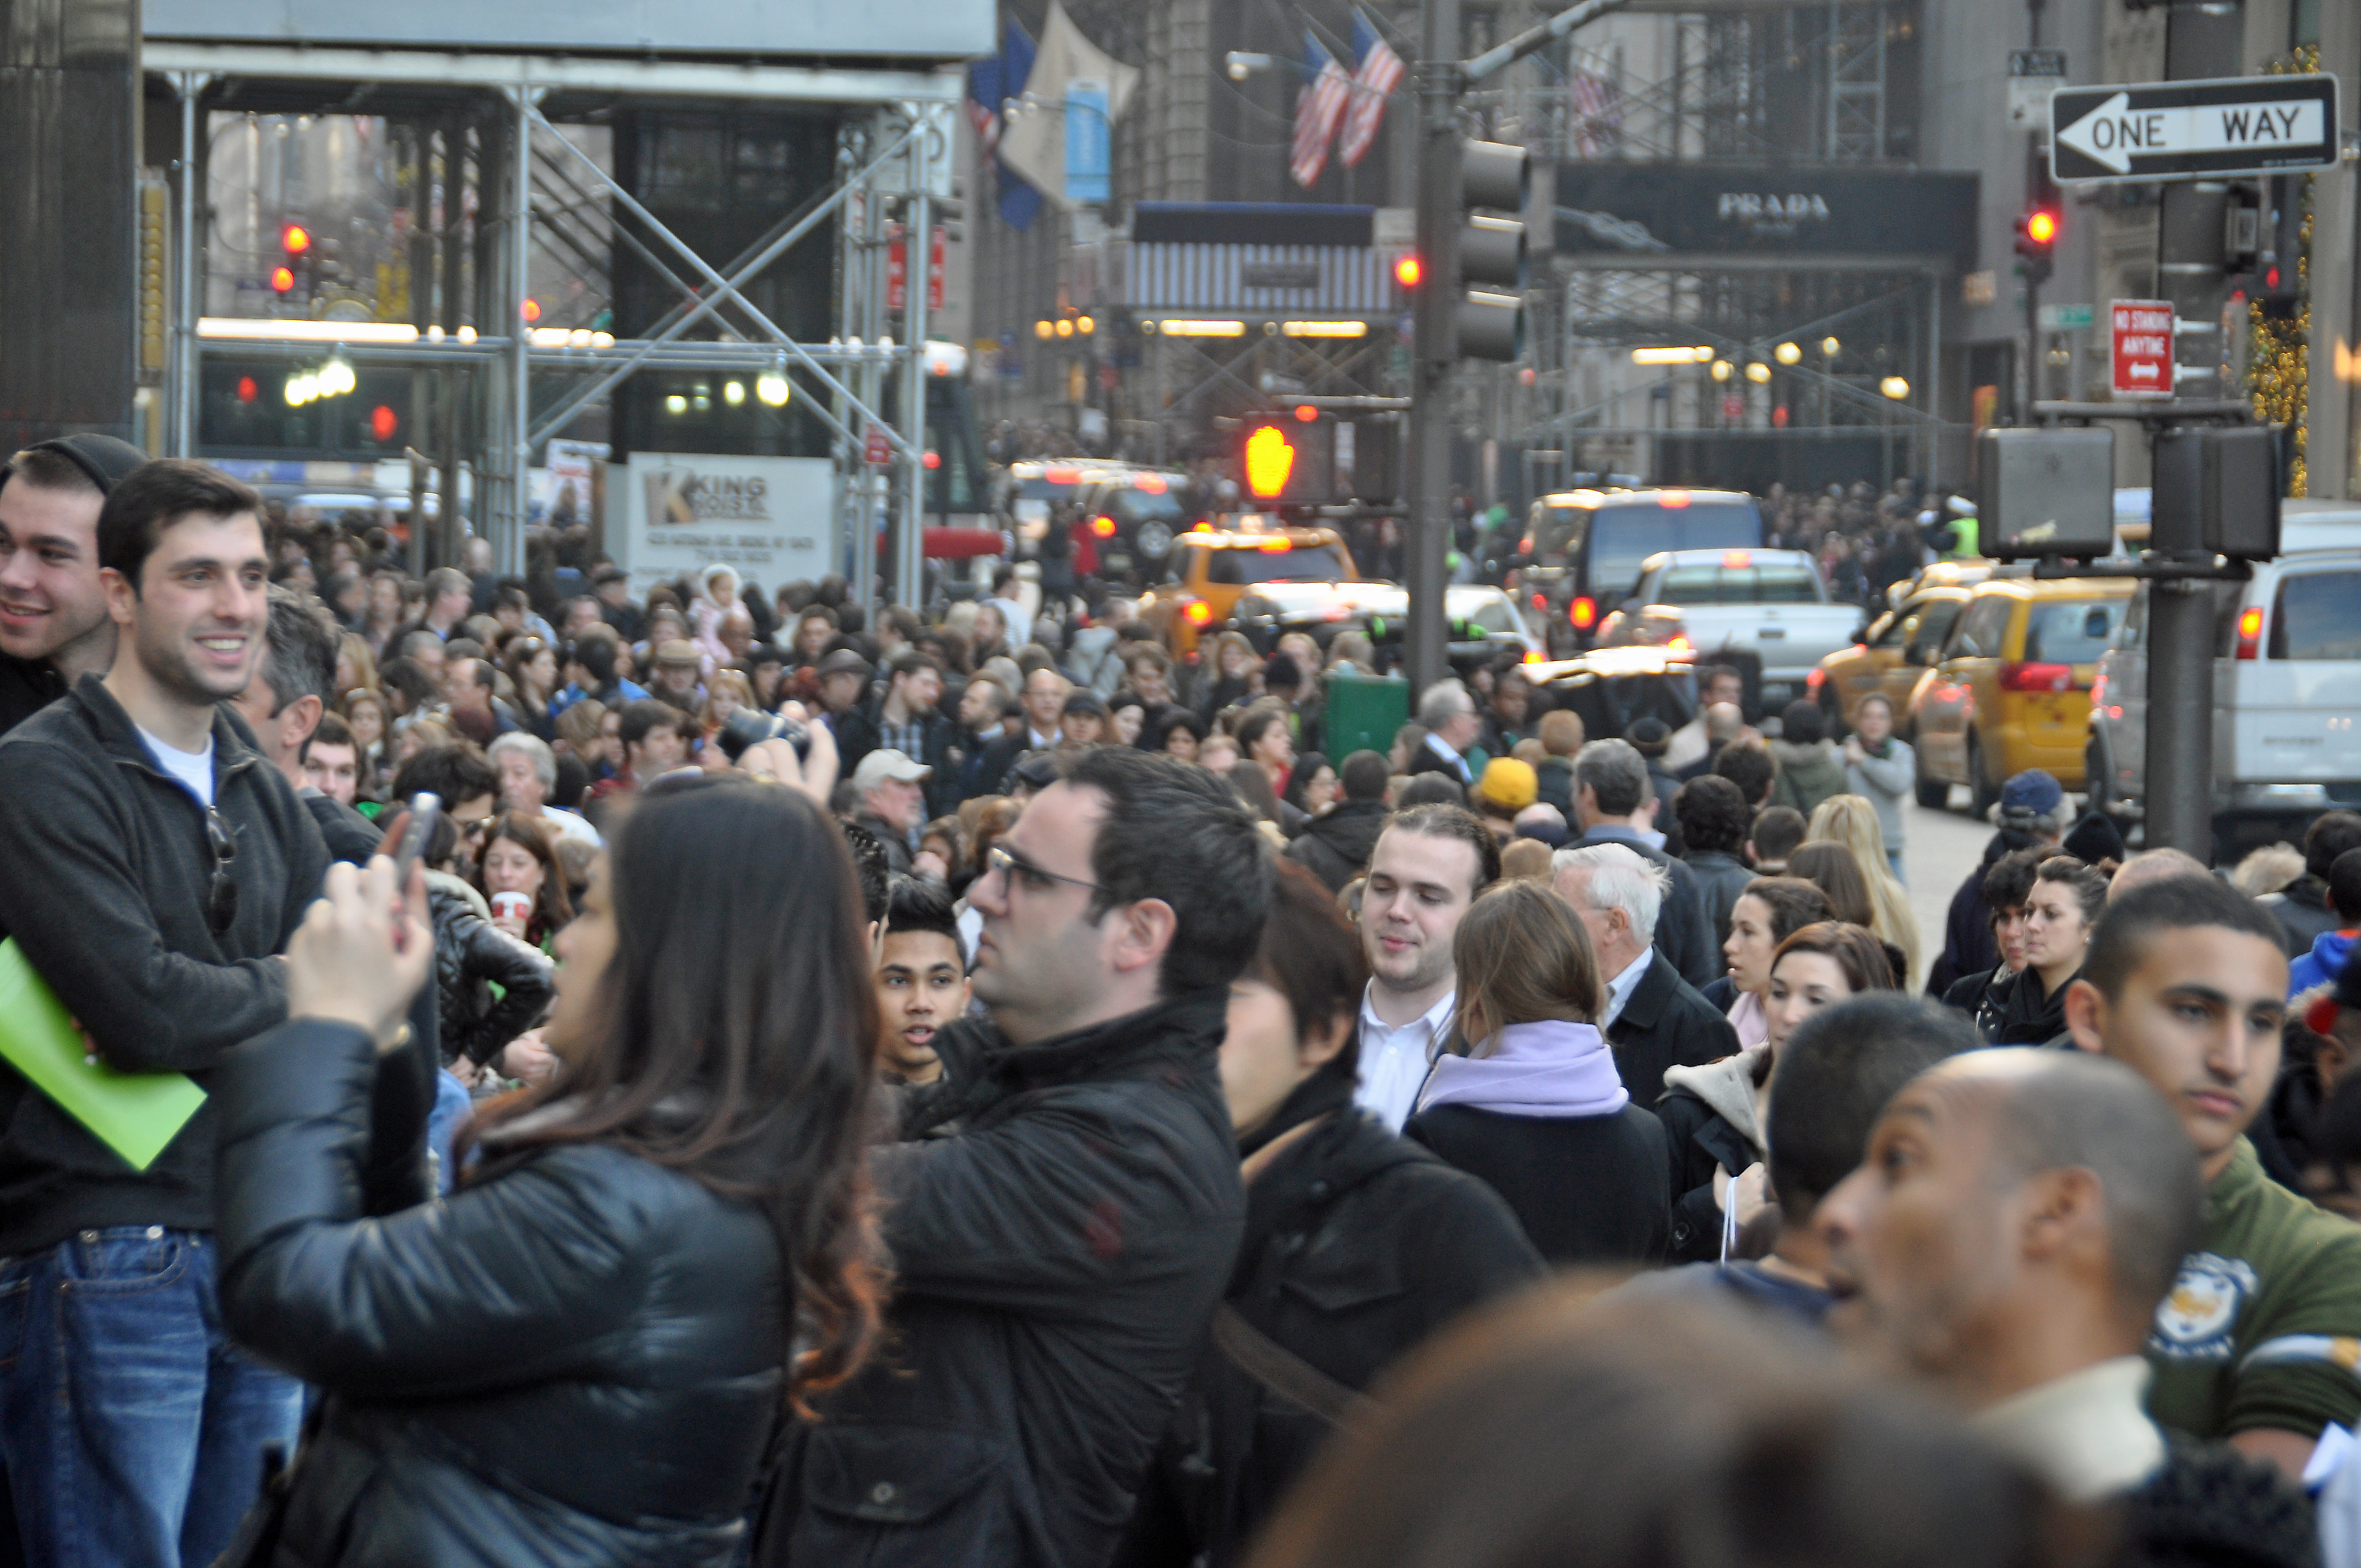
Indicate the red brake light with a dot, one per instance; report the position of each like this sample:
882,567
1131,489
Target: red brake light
1202,527
2250,632
1535,656
1102,526
1198,612
1674,500
1738,560
1540,601
1060,474
1680,642
2016,675
1815,679
1584,613
1305,413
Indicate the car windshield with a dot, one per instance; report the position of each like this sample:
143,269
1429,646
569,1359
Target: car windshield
1556,530
1295,563
2071,631
2313,619
1621,537
1783,582
1139,506
1491,615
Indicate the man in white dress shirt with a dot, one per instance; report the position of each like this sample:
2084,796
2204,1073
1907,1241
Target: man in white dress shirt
1429,865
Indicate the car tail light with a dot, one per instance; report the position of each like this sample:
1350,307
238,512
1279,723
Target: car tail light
2250,632
1678,642
2017,675
1197,612
1540,601
1104,526
2099,689
1815,679
1535,656
1738,560
1584,613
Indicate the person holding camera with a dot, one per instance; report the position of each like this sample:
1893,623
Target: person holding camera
579,1355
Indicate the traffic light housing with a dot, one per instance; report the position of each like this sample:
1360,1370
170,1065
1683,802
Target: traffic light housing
2278,269
2037,240
1489,301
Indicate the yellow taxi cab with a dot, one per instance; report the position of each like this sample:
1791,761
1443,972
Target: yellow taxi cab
1899,646
2011,689
1212,569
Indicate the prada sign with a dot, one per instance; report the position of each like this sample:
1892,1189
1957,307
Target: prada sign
1660,210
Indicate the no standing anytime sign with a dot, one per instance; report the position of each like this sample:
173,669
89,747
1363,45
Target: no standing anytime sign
2142,334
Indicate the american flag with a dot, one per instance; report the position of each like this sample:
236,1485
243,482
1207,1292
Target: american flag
1598,112
1381,70
1317,109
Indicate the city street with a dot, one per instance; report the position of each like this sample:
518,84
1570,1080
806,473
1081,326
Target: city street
1942,847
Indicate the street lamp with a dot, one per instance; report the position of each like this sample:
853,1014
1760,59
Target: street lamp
1828,346
1895,387
1787,354
1758,372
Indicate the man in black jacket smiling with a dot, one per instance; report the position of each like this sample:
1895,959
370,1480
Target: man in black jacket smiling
1060,1239
150,864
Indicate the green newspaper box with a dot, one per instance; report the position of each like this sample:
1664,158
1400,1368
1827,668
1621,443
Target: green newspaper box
1362,713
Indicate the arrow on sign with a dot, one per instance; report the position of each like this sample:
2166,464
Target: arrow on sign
2115,133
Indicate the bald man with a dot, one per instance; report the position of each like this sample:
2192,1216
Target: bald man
2018,1217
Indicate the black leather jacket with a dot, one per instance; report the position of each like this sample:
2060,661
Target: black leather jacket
471,955
574,1360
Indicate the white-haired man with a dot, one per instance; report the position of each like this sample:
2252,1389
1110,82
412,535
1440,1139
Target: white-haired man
528,771
1448,715
1653,1018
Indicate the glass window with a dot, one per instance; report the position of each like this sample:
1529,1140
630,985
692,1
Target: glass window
1981,629
1783,583
2312,617
2071,631
1935,623
1556,530
1621,537
1300,563
1492,615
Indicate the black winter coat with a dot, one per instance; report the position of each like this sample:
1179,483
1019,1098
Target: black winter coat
1699,1140
1722,880
1335,847
104,871
574,1360
471,955
1359,1245
1587,1188
1059,1247
2013,1012
1665,1023
942,744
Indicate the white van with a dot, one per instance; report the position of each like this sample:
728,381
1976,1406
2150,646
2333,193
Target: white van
2286,688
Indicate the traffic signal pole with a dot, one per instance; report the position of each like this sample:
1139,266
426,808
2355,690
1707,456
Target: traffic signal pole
1442,79
1434,351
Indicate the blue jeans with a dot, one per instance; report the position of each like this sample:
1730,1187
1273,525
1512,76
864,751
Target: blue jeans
132,1431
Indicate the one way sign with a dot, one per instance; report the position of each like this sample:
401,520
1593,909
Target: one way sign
2182,130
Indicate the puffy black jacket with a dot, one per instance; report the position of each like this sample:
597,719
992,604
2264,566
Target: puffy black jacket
574,1360
1058,1253
1359,1245
1337,846
471,956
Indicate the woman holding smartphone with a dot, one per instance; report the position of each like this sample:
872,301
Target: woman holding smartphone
579,1355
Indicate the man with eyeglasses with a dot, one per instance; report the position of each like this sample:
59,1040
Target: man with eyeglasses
151,864
1065,1207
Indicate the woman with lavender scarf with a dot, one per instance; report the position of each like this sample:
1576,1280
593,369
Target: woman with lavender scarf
1537,1108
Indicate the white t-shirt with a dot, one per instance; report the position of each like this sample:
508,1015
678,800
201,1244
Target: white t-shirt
193,769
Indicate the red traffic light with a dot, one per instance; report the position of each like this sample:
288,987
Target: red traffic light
531,310
1305,413
1407,270
383,422
247,390
294,239
2042,227
281,280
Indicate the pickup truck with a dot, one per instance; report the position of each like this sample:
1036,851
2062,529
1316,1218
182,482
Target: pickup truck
1766,611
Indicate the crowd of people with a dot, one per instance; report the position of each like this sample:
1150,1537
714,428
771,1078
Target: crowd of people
980,1089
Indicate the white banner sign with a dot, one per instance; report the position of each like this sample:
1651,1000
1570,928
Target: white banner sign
772,518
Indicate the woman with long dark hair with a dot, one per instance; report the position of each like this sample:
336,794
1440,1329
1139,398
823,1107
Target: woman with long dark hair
579,1357
519,857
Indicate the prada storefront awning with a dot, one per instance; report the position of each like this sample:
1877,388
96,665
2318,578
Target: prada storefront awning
1700,216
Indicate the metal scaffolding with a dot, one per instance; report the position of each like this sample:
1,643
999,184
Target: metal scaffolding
536,187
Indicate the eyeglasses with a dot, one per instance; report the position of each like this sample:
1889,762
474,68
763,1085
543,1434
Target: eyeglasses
221,893
1025,873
